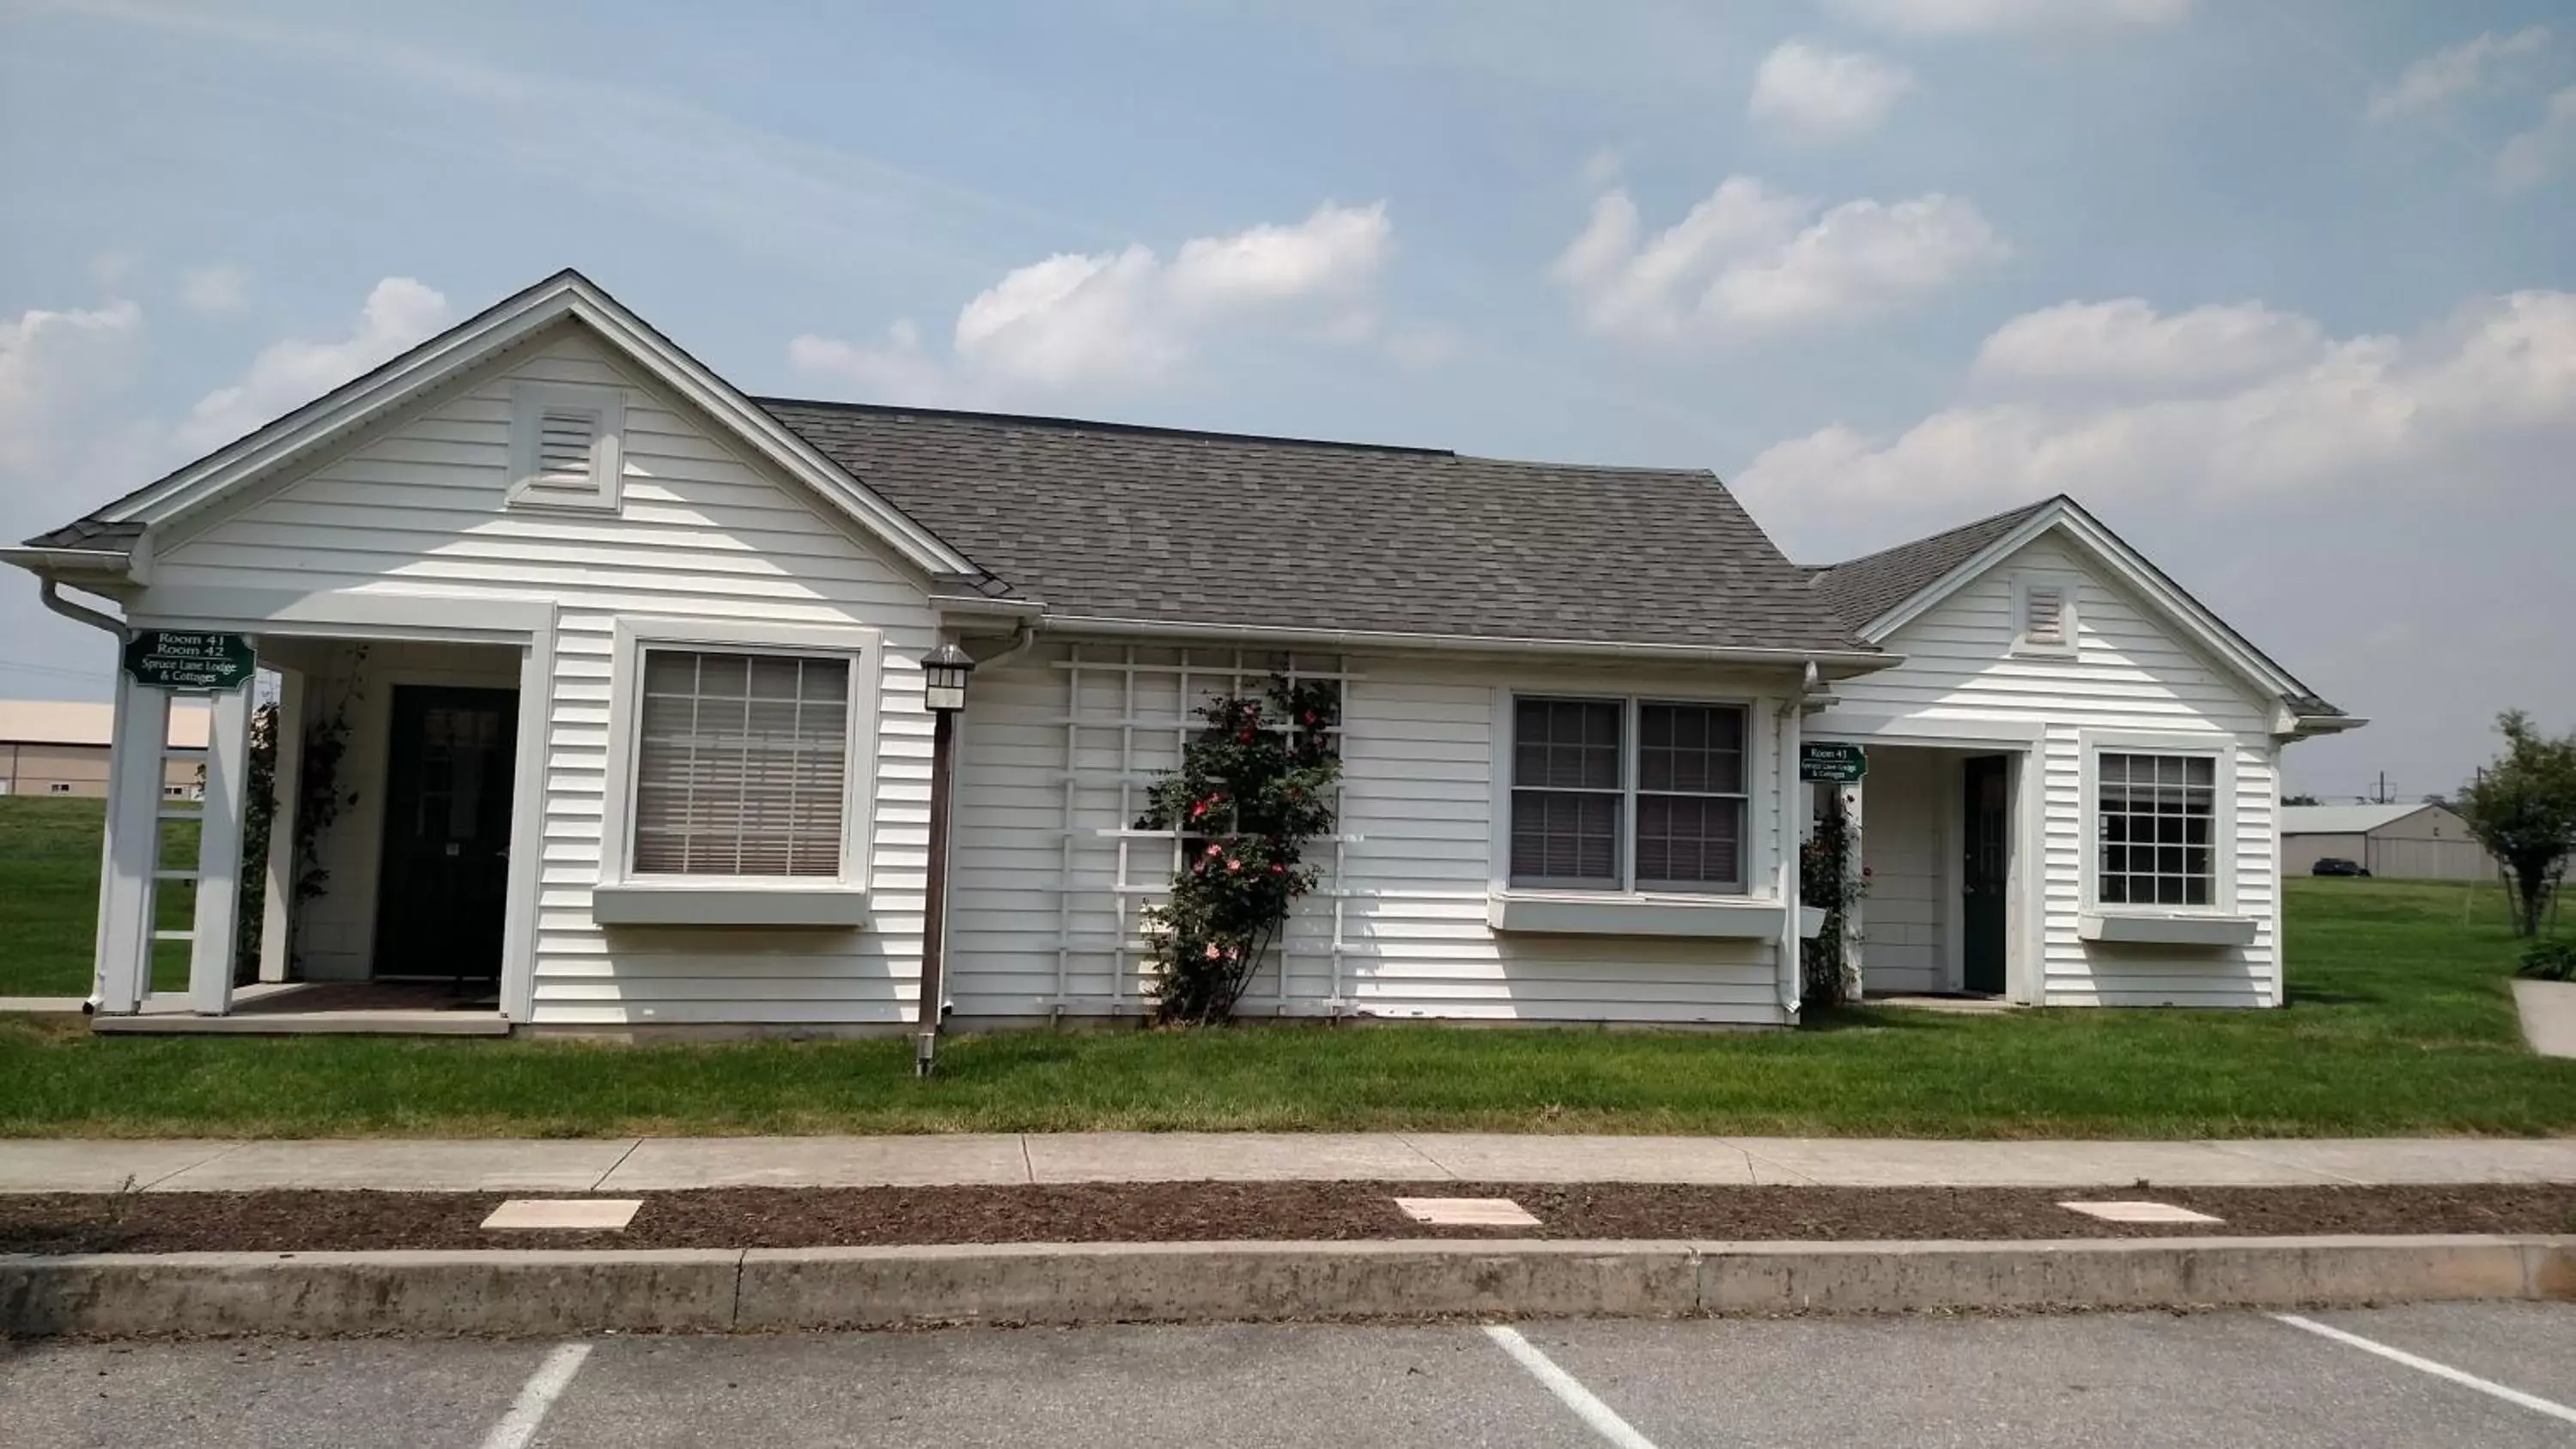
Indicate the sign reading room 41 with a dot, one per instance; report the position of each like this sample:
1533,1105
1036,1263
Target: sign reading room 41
170,659
1841,763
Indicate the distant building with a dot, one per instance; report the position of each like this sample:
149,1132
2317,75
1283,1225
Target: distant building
60,747
2411,842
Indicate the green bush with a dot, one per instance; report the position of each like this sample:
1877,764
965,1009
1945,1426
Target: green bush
2549,961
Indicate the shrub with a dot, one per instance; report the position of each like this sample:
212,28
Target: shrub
2549,961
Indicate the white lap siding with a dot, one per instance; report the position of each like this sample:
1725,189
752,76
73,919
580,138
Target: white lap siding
1906,807
703,533
2131,676
1046,911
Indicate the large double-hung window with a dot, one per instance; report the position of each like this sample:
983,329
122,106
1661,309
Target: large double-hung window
741,763
2156,820
1624,794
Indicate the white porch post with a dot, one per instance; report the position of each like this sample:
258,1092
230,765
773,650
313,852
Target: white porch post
1854,949
1785,734
133,849
219,853
276,921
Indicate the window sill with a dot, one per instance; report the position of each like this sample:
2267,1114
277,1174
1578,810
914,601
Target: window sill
1574,913
698,903
2154,928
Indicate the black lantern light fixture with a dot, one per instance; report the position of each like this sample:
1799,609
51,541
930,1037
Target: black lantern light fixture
943,678
943,691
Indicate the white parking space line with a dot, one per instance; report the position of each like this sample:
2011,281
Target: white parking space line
1604,1421
2533,1402
536,1396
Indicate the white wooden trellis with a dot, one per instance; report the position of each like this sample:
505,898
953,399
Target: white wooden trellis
1193,676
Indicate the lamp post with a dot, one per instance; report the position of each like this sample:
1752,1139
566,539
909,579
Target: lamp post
943,678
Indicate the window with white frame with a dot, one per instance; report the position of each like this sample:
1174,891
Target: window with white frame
1613,794
2156,820
566,445
741,763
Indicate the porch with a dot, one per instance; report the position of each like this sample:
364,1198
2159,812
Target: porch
349,866
1938,831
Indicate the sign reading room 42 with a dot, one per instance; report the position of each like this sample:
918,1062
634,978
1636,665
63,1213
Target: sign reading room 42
170,659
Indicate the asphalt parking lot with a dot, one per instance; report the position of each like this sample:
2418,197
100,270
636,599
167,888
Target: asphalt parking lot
2111,1379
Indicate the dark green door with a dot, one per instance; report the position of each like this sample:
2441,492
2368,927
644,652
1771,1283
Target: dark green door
1989,866
445,884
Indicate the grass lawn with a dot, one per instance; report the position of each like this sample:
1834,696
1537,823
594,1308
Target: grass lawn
2401,1022
49,896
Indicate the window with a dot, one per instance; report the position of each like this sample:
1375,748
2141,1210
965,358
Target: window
2044,616
2157,817
1583,820
59,787
566,445
742,763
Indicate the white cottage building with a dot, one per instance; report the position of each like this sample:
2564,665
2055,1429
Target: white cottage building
617,670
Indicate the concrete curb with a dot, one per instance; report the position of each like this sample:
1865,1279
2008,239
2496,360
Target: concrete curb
561,1293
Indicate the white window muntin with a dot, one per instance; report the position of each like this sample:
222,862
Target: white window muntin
1627,793
2032,591
861,649
2220,755
548,424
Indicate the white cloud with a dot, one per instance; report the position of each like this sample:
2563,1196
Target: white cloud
2485,400
2125,343
2463,69
1826,94
1603,167
289,374
49,362
1975,17
2527,159
1750,260
215,289
1127,318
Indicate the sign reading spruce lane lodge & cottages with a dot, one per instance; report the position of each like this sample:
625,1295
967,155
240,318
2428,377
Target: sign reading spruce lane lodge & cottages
168,659
1840,763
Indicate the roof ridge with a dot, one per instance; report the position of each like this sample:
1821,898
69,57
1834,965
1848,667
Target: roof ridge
1047,420
2020,511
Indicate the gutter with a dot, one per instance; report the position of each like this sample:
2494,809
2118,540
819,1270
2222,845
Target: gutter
49,592
1846,662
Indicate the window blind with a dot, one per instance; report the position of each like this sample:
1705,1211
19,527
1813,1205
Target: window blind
741,764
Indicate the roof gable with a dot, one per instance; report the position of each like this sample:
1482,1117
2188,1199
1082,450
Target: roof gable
1902,583
345,412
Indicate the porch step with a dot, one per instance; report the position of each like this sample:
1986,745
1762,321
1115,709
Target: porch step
319,1023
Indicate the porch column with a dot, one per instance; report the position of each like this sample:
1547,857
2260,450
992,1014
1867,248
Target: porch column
219,853
277,919
123,974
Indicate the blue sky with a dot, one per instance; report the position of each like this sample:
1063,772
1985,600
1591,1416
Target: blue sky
2284,289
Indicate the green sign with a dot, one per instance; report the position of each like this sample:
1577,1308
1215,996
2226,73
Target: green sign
168,659
1827,760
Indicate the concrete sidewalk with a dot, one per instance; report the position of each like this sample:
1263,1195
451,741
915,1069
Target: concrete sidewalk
631,1164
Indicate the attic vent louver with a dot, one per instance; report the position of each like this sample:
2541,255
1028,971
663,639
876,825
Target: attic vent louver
563,446
2044,615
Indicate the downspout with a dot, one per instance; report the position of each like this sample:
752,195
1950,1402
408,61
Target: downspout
1023,639
50,594
1784,777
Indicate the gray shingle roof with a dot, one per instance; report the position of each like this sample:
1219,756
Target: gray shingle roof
89,533
1114,521
1866,587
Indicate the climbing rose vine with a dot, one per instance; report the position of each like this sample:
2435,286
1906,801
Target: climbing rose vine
1251,792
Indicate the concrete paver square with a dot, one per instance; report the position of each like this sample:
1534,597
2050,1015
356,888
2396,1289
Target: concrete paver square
427,1166
1467,1212
566,1214
1505,1157
1858,1162
661,1164
1224,1157
2422,1160
2138,1211
98,1166
2548,1016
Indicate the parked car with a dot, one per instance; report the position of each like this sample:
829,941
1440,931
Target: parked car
2337,865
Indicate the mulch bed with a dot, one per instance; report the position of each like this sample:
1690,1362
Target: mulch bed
1190,1212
